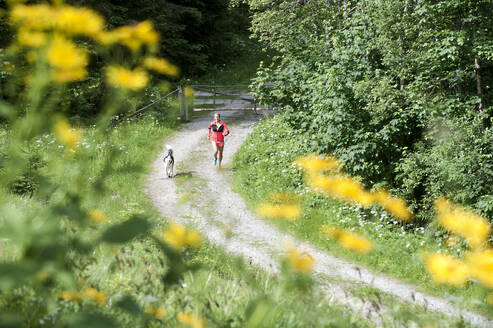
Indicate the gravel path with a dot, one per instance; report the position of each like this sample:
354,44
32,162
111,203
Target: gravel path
241,232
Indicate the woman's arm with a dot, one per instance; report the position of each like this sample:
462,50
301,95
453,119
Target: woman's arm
226,130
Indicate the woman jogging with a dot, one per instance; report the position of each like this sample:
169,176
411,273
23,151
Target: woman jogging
219,131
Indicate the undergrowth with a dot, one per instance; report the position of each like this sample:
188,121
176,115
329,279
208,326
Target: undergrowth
264,165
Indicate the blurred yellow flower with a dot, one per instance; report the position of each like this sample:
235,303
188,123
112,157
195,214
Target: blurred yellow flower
145,32
98,296
395,206
341,187
41,276
446,269
69,75
281,211
474,228
29,38
331,231
178,236
33,17
284,197
317,164
300,261
97,216
355,242
68,60
188,91
190,320
481,266
70,296
73,20
66,134
489,299
127,79
161,65
132,37
158,312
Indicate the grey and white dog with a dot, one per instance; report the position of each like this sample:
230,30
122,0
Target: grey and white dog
169,162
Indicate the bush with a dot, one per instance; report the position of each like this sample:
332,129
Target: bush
454,160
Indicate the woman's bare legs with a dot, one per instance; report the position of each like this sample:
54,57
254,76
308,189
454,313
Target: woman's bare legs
220,151
215,151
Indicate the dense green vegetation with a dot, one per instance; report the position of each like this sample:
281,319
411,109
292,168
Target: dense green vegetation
197,36
218,287
264,165
389,87
401,91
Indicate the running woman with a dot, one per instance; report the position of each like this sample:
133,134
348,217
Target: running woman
219,131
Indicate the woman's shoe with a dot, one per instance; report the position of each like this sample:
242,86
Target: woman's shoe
214,161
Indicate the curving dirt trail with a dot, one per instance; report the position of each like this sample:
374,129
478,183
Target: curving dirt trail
241,232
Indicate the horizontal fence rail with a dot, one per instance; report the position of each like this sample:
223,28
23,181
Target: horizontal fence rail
154,102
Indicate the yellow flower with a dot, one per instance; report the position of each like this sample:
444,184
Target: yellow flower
190,320
131,36
158,312
99,297
446,269
68,60
284,197
331,231
161,65
317,164
489,299
29,38
341,187
474,228
300,261
178,236
127,79
41,276
481,266
282,211
97,216
33,17
70,296
69,75
73,20
394,205
188,91
145,32
355,242
66,134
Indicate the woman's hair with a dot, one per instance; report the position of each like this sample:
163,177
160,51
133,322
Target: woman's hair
218,114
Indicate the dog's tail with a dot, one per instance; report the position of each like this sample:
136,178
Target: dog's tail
168,147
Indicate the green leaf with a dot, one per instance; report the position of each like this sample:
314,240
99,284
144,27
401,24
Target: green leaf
14,274
87,319
128,304
127,230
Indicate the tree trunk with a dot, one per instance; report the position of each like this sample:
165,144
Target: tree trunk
477,69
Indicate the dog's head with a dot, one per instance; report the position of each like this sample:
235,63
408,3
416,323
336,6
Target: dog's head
170,150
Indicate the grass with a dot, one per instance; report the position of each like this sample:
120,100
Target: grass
218,287
264,165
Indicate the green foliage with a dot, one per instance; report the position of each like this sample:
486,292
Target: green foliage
264,165
365,81
455,161
196,34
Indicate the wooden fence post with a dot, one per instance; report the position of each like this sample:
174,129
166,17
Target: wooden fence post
186,105
180,97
